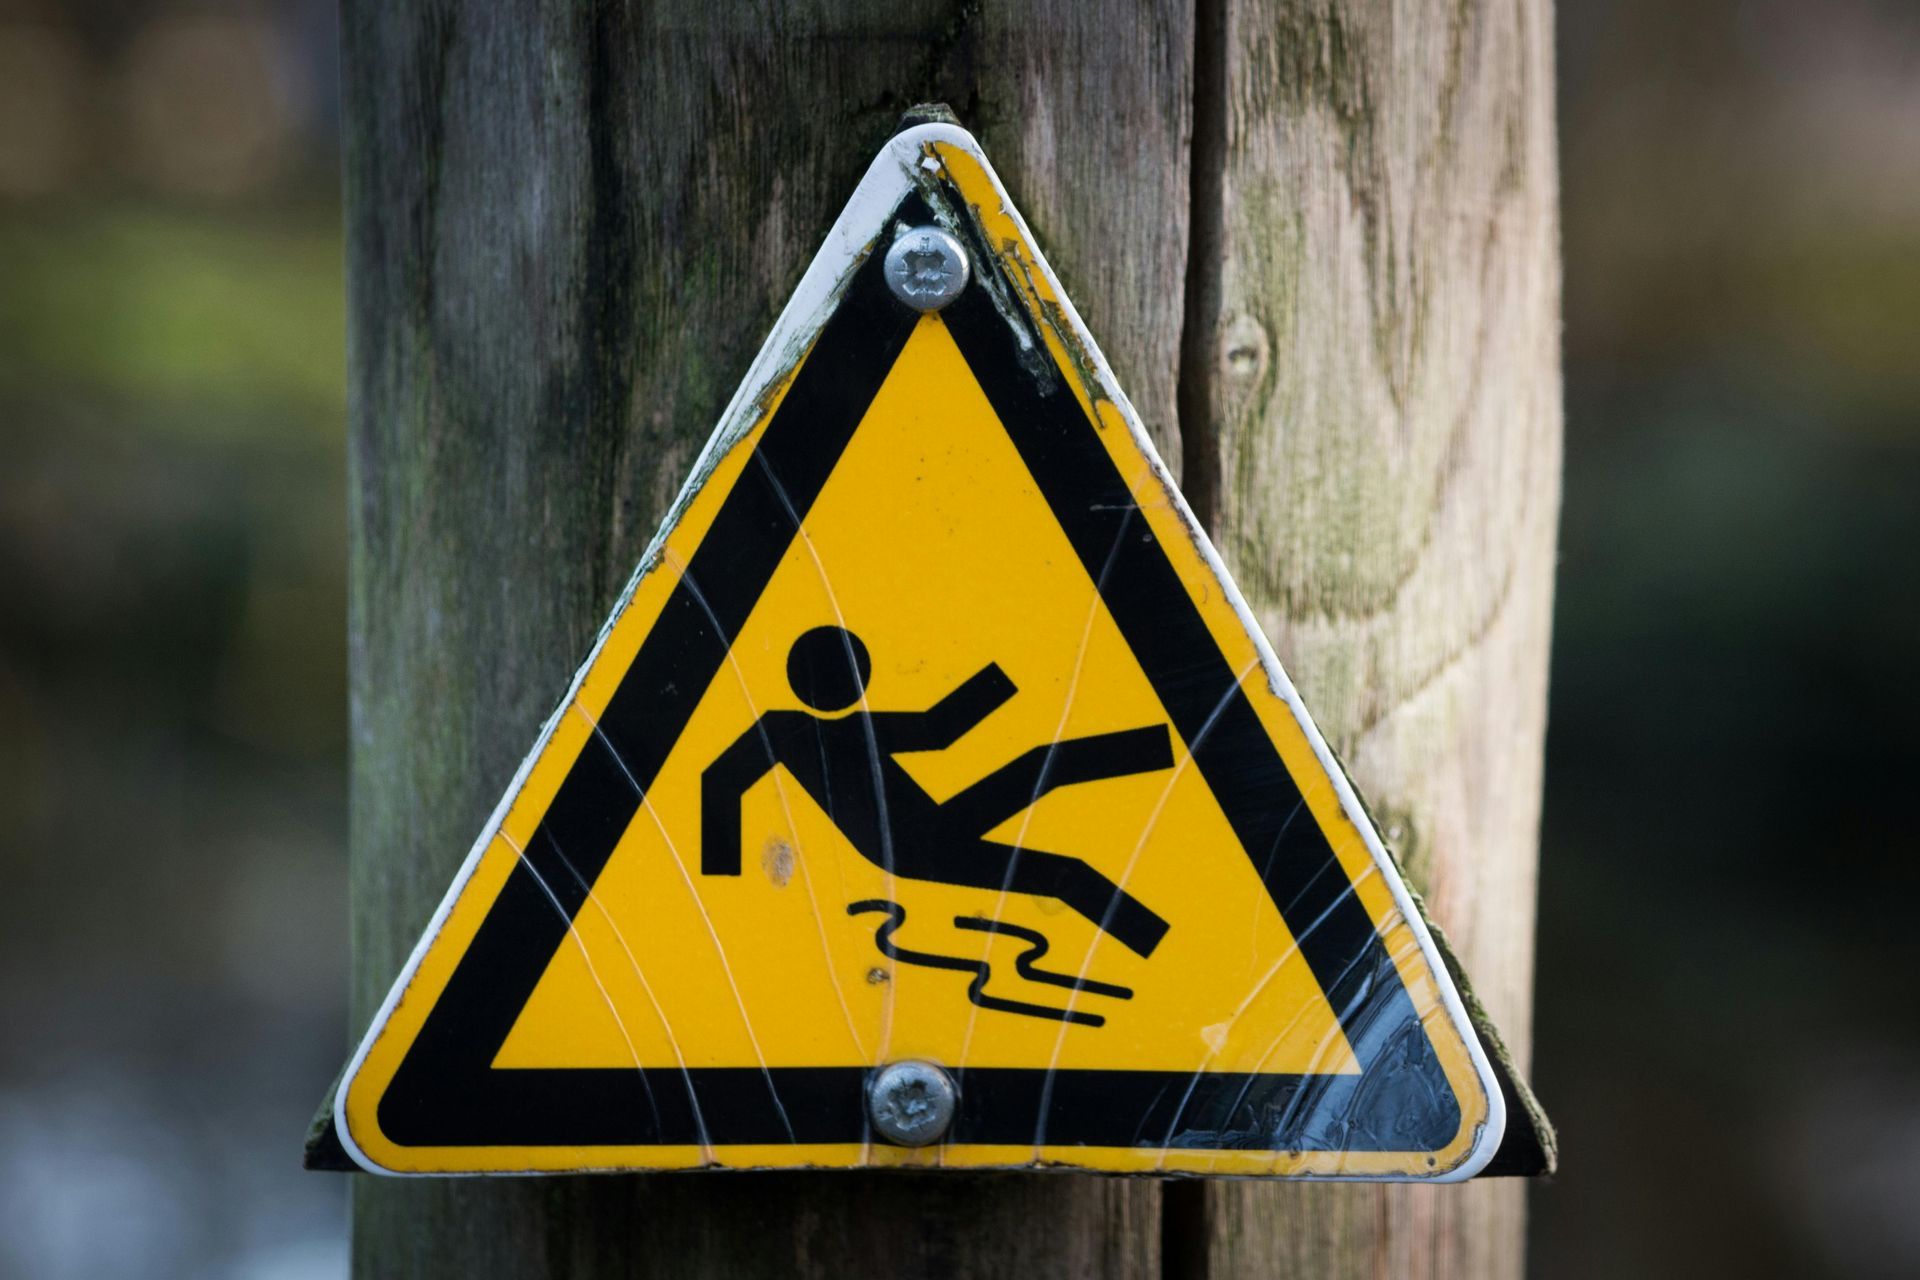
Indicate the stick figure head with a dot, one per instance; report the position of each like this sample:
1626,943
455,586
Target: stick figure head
828,667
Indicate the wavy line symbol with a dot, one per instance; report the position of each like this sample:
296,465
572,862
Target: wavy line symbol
1026,965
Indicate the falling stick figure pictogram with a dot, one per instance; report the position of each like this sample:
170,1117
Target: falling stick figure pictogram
844,758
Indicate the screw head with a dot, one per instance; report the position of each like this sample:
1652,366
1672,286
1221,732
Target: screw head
926,268
911,1103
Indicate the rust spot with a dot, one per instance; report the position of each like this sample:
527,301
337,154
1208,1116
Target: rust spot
777,861
876,976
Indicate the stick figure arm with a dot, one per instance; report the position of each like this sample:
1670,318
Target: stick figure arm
723,783
948,720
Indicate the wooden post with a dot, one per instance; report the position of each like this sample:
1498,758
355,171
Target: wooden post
570,226
1373,350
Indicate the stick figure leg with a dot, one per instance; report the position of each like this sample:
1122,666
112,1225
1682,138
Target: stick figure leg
1051,875
1022,781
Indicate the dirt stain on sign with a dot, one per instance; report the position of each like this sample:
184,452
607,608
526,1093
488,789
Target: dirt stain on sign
777,861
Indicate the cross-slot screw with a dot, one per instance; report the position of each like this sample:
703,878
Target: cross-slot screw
926,268
911,1103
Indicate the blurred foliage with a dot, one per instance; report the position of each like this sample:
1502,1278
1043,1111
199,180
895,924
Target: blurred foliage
195,320
172,696
1728,871
178,528
172,659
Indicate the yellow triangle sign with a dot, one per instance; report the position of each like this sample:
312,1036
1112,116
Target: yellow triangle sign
931,736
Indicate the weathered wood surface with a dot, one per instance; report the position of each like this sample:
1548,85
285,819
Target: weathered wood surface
1381,311
570,227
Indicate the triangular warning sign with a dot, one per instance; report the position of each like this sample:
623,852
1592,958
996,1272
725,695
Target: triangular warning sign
931,731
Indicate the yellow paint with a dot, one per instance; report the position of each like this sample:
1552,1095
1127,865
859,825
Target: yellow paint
961,567
932,543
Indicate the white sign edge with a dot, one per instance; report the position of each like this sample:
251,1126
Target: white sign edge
888,179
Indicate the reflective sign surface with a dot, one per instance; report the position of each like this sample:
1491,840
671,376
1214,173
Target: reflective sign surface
929,730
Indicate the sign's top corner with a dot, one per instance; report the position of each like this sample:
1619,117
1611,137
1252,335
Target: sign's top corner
925,113
912,138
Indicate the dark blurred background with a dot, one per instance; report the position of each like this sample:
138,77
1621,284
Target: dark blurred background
172,638
1728,1024
1729,1018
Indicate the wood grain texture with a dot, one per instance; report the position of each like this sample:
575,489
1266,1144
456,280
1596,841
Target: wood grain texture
1377,357
570,227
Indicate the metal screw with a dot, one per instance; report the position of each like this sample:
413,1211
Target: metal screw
926,268
911,1102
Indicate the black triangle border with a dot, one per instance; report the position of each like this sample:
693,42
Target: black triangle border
447,1094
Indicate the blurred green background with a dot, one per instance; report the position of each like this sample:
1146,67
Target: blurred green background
1729,1025
1729,1032
172,638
